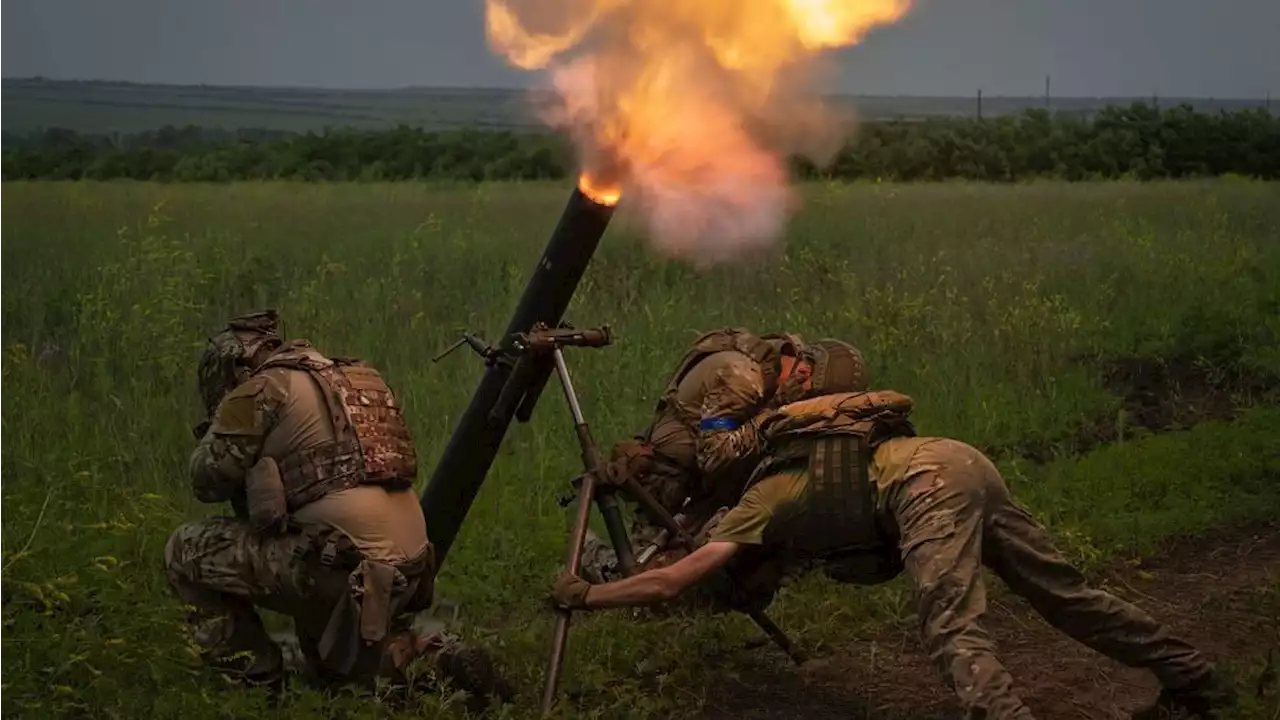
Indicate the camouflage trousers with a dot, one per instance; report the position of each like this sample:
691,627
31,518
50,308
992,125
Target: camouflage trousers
954,514
223,570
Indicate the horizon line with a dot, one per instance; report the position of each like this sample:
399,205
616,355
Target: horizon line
504,88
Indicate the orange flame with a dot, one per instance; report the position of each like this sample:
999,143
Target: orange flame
689,107
600,193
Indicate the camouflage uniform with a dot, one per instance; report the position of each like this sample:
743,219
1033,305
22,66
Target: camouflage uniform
314,455
728,377
705,424
939,509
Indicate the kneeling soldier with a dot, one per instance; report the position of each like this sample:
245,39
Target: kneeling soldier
314,455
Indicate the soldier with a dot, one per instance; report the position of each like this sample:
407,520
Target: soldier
727,376
314,455
844,481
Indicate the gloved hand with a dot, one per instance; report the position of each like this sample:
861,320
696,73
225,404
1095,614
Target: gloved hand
569,592
630,459
765,419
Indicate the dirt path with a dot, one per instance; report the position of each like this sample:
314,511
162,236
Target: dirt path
1220,592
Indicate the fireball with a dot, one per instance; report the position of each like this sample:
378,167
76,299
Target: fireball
689,108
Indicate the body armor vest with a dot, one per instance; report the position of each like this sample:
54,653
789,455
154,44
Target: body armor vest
833,438
371,444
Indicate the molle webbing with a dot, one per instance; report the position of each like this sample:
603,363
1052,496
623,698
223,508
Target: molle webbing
838,512
309,475
360,399
371,443
840,495
832,437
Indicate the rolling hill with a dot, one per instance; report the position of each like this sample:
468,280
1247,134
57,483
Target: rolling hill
123,107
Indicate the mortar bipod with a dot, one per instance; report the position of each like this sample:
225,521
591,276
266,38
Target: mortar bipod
588,493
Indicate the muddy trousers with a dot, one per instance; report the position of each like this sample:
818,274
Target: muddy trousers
954,514
222,570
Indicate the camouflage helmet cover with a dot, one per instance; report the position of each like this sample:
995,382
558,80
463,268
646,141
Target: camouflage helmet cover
228,356
838,367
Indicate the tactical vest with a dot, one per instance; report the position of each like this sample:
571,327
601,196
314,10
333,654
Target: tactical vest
371,444
760,350
833,437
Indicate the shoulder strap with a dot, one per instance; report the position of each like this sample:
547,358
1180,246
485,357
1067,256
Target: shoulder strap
325,372
295,355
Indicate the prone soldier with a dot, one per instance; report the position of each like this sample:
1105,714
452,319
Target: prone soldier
314,455
843,482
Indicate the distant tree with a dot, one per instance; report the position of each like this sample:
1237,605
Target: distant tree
1136,141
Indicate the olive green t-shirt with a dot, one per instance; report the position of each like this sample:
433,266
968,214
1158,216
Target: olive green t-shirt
777,494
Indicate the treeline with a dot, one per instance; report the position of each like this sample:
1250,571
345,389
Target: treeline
1138,141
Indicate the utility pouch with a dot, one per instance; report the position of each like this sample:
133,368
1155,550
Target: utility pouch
377,583
373,594
265,497
420,572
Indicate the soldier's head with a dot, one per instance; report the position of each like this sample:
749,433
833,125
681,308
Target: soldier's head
837,367
231,355
793,371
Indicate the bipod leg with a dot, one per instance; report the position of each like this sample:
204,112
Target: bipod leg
778,637
587,493
560,633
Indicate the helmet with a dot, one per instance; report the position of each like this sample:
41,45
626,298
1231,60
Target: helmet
784,343
838,367
229,356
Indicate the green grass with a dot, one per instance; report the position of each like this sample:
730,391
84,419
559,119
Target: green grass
991,306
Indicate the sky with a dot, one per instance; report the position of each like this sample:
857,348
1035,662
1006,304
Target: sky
1199,48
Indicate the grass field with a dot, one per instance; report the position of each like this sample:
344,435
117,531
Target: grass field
1009,313
114,107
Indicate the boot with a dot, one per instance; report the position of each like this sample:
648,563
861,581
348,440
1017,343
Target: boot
235,644
465,668
472,670
1200,699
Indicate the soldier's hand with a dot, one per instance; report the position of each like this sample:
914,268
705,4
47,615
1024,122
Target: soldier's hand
630,459
609,475
766,419
569,592
633,457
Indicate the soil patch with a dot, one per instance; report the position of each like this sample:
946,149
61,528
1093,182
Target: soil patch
1222,593
1161,395
1178,393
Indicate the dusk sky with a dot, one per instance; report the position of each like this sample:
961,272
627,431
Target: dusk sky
1219,48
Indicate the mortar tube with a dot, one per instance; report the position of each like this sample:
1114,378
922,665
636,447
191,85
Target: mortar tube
461,469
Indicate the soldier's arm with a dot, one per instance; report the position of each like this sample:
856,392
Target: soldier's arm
664,583
726,435
233,442
742,526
